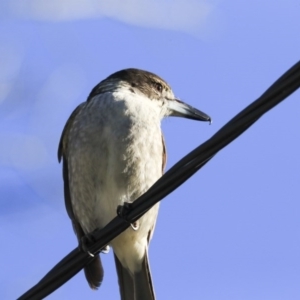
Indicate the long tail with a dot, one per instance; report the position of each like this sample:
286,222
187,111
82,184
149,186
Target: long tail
138,286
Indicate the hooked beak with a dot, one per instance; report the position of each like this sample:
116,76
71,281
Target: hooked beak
178,108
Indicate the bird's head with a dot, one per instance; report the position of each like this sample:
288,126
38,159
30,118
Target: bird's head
154,88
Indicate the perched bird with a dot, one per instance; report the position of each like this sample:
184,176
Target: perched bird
113,151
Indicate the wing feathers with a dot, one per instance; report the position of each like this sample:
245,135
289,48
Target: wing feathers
93,271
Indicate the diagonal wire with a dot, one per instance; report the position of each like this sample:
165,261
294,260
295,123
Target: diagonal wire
173,178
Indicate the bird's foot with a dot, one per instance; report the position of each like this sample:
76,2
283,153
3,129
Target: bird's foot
105,250
123,211
89,239
85,242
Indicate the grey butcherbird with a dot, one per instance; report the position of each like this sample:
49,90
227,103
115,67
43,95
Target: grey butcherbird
113,151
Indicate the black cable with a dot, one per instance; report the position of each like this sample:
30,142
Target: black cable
173,178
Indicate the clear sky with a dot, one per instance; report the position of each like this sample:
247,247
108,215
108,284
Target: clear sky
232,231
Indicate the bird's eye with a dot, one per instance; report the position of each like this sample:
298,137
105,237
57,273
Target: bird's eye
158,87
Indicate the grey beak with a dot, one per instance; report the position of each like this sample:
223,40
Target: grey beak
178,108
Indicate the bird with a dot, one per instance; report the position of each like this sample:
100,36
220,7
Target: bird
113,151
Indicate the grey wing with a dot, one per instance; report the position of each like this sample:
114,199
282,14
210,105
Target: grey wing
62,154
93,271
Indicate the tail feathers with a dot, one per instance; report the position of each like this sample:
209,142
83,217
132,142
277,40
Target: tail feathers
143,286
137,286
126,283
94,273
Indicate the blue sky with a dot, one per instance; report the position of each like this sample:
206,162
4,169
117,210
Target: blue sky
231,231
